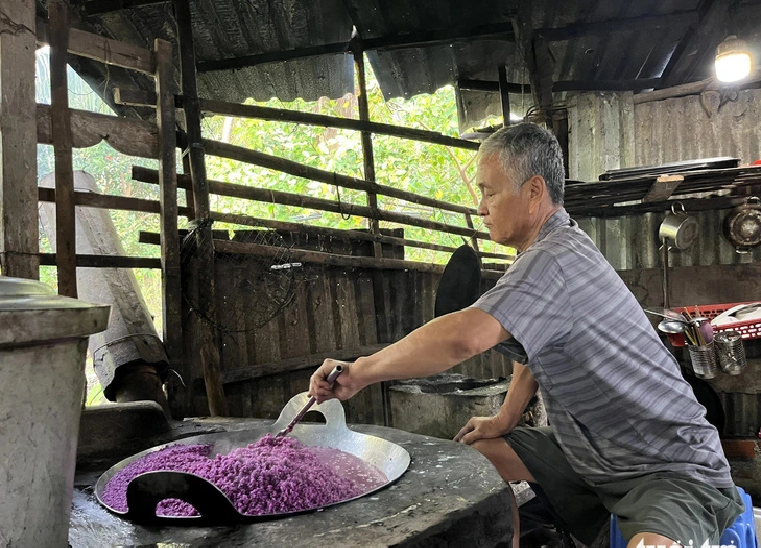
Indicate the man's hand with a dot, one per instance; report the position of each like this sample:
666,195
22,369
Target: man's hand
344,387
479,428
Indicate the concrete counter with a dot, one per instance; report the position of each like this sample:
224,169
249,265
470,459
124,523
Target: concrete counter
449,496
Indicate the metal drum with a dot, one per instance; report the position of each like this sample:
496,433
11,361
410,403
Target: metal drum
146,490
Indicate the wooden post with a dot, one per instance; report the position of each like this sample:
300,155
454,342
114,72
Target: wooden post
504,95
210,358
66,236
171,272
367,142
474,238
19,220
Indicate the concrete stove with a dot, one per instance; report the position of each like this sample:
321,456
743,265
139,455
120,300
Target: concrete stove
450,496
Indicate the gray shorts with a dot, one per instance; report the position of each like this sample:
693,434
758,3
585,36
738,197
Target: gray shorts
673,505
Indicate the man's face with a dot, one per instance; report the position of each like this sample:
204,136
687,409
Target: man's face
505,211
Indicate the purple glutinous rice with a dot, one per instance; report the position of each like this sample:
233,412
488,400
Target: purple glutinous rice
271,476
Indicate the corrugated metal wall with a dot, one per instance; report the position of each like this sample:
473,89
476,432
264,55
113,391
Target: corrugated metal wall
700,126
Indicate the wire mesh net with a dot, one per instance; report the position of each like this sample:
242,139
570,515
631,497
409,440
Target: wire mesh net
255,280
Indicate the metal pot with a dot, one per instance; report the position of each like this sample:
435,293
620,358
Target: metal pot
678,227
742,227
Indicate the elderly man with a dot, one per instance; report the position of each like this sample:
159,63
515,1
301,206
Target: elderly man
627,435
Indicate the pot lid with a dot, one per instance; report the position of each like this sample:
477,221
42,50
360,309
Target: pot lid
31,311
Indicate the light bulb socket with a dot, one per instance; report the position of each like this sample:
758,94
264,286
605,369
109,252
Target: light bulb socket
731,45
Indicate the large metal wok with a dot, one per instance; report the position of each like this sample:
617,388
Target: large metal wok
147,490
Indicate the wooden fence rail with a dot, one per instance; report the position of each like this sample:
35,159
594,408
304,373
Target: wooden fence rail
146,175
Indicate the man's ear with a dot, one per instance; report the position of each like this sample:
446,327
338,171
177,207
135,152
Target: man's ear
537,188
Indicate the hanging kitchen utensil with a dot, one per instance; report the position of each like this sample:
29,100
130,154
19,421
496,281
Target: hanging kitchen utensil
742,227
678,227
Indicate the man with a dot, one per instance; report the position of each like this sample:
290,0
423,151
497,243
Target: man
627,435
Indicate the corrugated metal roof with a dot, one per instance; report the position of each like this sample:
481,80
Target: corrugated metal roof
225,29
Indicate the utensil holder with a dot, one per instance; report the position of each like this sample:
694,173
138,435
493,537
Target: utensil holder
703,359
730,352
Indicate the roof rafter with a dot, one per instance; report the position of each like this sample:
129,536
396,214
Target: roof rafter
501,31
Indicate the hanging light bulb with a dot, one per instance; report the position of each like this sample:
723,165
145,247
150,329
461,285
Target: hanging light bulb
732,60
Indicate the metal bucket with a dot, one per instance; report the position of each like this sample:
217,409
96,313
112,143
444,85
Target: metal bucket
146,490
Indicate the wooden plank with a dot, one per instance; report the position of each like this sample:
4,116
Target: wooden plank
347,309
663,187
127,135
19,223
322,310
295,364
342,234
268,161
102,49
247,248
103,261
368,331
66,230
138,98
107,201
171,270
285,198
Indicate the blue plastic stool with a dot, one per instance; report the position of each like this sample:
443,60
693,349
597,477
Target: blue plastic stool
742,533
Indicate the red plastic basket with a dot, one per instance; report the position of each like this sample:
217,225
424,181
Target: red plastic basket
748,330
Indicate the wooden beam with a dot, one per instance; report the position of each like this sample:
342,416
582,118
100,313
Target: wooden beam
137,98
252,372
491,86
317,257
337,233
65,219
207,300
698,41
171,271
98,7
545,66
628,24
107,201
243,154
19,219
146,175
693,88
638,84
104,261
500,31
127,135
105,50
368,158
504,94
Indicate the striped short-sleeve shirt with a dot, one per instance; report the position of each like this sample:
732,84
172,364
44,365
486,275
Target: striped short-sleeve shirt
616,400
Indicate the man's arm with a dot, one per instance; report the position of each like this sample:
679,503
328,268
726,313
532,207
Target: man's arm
435,347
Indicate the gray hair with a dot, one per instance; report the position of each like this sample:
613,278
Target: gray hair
526,150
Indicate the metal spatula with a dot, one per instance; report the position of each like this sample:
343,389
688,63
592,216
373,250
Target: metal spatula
288,429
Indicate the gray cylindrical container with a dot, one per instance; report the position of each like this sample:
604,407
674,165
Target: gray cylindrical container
43,343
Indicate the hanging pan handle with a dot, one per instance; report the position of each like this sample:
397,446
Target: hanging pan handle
146,491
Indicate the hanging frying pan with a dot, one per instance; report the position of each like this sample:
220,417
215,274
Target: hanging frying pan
742,227
460,284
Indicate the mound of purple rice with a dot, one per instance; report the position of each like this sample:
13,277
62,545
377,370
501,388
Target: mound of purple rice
271,476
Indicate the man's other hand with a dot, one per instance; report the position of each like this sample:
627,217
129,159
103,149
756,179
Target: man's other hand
479,428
